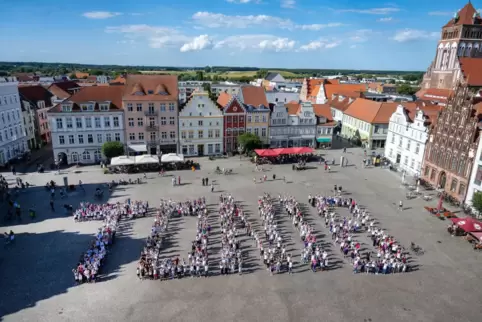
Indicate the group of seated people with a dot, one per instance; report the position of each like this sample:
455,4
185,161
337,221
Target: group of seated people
390,256
231,216
91,261
149,260
310,252
89,211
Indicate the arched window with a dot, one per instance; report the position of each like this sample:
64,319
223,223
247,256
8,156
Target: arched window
454,163
75,157
461,169
85,155
97,155
461,50
453,185
468,51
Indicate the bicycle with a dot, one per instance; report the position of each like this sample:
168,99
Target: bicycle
417,250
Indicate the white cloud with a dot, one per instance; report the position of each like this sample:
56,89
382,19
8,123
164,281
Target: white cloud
373,11
320,44
244,1
219,20
387,19
440,13
362,35
413,35
100,14
288,4
256,42
316,27
198,43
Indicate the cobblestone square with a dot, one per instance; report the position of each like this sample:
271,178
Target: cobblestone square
37,283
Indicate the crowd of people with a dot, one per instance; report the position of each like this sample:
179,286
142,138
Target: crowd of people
89,211
91,261
149,265
231,218
311,252
390,255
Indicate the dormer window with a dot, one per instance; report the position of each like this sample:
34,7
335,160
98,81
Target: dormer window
67,108
150,91
104,107
90,107
139,93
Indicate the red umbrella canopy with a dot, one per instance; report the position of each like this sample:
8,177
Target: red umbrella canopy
468,224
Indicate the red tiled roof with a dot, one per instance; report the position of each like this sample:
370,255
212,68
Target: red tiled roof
118,80
97,94
80,75
254,95
371,111
472,70
341,105
323,110
36,93
293,107
223,99
152,88
374,85
331,89
466,16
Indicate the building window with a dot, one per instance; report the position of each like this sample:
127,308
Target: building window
433,174
417,148
256,119
163,120
108,137
90,138
256,131
68,121
131,121
453,185
461,169
191,149
140,121
116,121
151,107
210,149
172,120
61,139
141,136
400,142
200,134
81,139
172,134
263,132
408,145
200,123
117,136
217,148
462,189
106,121
426,171
71,139
88,122
264,118
163,135
86,155
139,107
478,176
406,160
390,153
99,137
58,121
393,138
132,136
129,107
217,133
78,122
153,136
163,107
210,133
412,164
97,123
183,134
249,118
171,107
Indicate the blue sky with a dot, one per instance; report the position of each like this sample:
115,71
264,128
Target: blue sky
263,33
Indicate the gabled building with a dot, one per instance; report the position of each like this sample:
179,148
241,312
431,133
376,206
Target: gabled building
339,103
150,103
39,101
201,126
439,96
82,123
234,123
257,111
327,90
63,89
365,122
325,125
309,86
407,137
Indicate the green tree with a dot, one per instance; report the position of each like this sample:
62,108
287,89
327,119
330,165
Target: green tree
112,149
207,69
406,89
477,201
249,142
200,75
261,73
73,76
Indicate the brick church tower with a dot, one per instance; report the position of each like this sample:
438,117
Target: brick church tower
460,44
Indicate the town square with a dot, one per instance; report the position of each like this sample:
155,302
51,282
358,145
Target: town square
38,284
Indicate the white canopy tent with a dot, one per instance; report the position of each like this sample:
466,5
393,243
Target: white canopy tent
172,157
146,159
122,160
137,147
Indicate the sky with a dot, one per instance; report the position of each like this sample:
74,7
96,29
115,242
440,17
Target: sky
342,34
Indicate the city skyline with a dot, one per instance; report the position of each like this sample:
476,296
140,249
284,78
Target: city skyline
287,33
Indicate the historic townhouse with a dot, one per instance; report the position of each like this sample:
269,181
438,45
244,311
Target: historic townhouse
13,141
329,88
234,123
151,113
63,89
325,125
28,116
310,88
257,111
201,126
408,134
365,122
39,100
475,182
82,123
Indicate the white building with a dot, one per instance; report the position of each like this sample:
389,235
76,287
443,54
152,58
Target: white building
201,126
13,140
407,136
274,96
475,181
82,123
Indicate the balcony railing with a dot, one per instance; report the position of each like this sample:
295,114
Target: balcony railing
152,128
150,113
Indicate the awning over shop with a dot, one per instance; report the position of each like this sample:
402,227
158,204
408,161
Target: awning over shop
138,147
323,140
468,224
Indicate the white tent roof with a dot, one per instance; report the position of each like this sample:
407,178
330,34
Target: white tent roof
172,157
146,159
122,160
138,147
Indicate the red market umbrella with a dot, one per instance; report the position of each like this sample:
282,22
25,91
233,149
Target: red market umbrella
306,150
477,235
468,224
